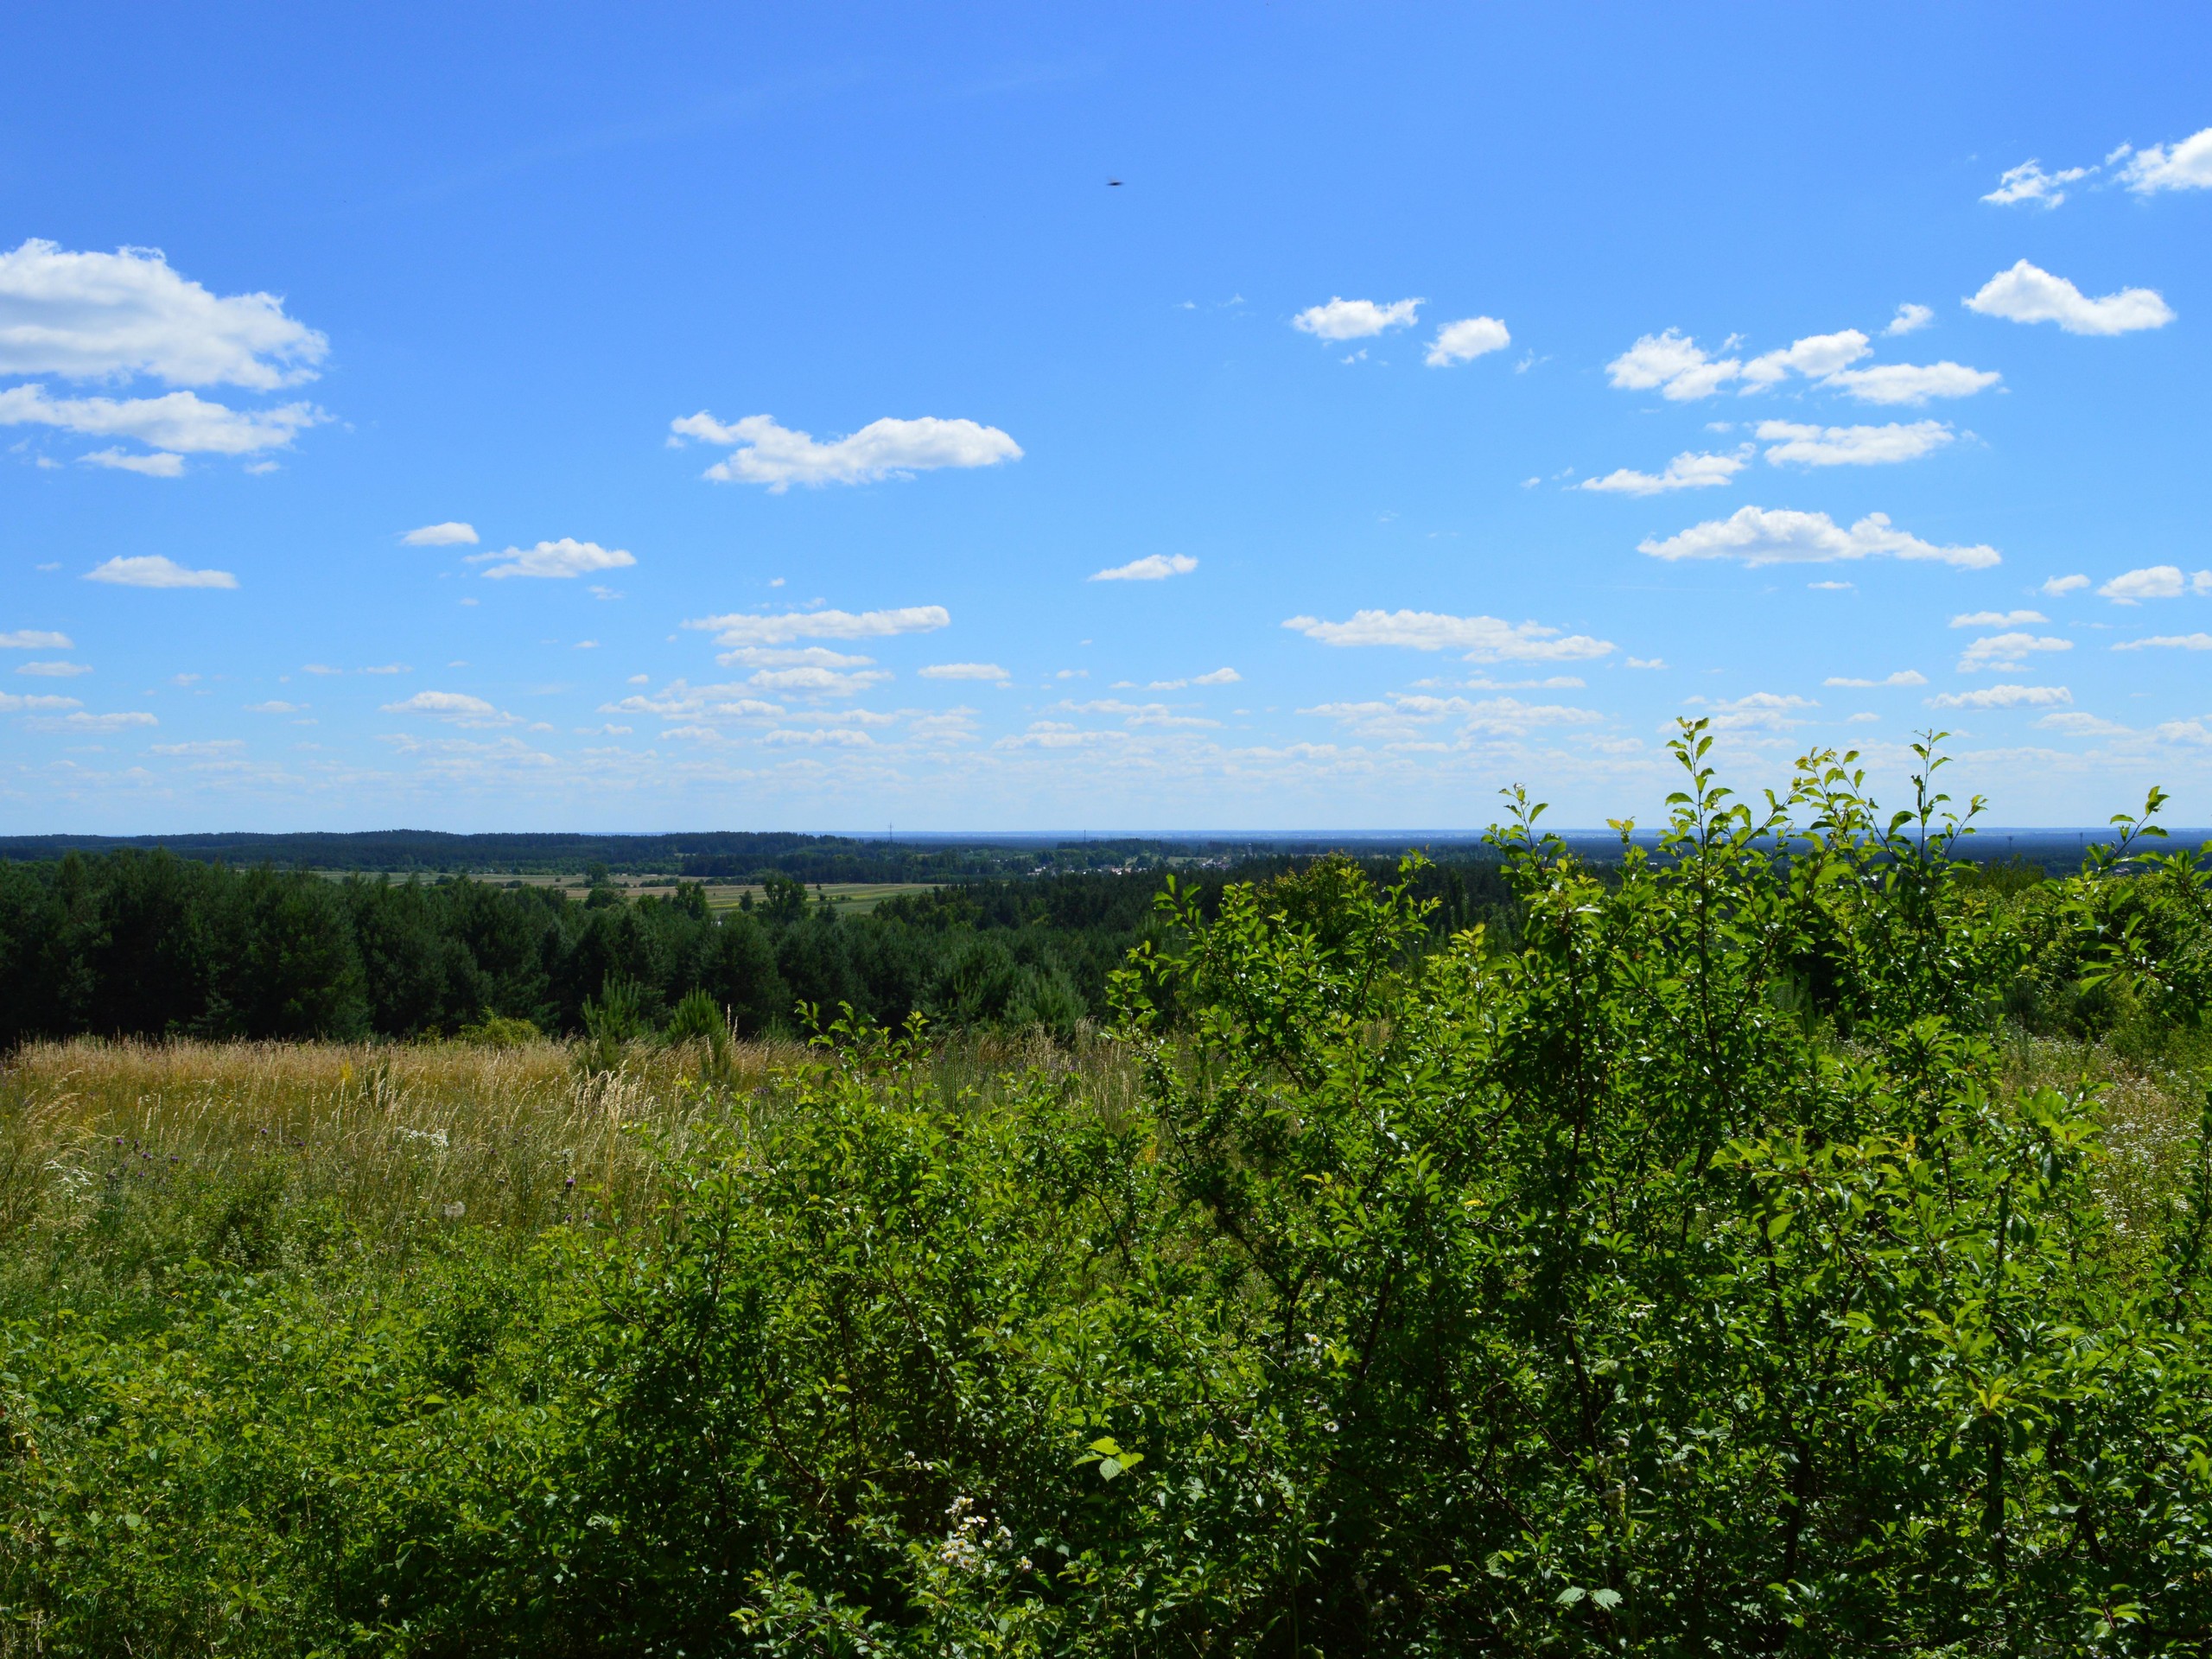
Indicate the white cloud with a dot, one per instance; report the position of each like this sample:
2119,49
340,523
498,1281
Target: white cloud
1997,618
738,630
765,453
276,707
818,682
1674,364
84,722
2028,293
2185,165
457,708
2059,586
177,421
560,560
1902,676
1687,471
2168,642
834,737
1356,319
964,672
12,704
35,639
452,533
2074,723
1910,319
2152,581
2028,183
1760,536
1760,711
789,656
1653,662
1831,587
1466,339
94,316
1154,566
2004,696
205,746
154,570
1218,677
1912,383
1482,638
1852,446
2008,651
54,671
121,460
1816,357
682,701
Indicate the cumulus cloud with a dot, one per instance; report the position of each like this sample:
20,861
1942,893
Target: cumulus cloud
1154,566
1761,536
1997,618
2153,582
35,639
2184,166
177,421
1902,676
82,722
12,704
2008,651
1218,677
452,533
2029,294
1687,471
2028,183
1851,446
1343,318
1760,711
1911,383
1466,339
276,707
54,671
93,316
454,707
738,630
1816,357
1482,639
683,701
813,681
964,672
156,570
2168,642
2059,586
779,457
790,657
2004,696
1676,365
1910,319
560,560
2074,723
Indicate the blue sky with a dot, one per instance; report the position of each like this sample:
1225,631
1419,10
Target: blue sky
772,398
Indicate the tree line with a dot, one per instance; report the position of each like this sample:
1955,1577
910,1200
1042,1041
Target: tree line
148,944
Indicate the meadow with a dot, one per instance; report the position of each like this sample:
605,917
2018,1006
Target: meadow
1792,1239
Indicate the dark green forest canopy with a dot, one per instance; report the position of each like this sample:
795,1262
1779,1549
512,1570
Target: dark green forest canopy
148,944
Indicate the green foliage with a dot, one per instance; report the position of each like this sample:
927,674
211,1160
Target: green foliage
1684,1279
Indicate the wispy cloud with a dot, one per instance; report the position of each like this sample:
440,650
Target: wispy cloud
2004,696
739,629
1481,638
156,571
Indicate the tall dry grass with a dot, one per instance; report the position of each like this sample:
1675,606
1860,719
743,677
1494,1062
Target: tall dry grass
399,1140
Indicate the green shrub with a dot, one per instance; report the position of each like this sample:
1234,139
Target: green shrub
1683,1279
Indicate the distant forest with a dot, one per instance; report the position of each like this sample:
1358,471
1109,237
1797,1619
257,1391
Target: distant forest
142,944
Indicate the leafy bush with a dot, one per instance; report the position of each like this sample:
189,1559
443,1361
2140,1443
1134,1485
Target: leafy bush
1685,1279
